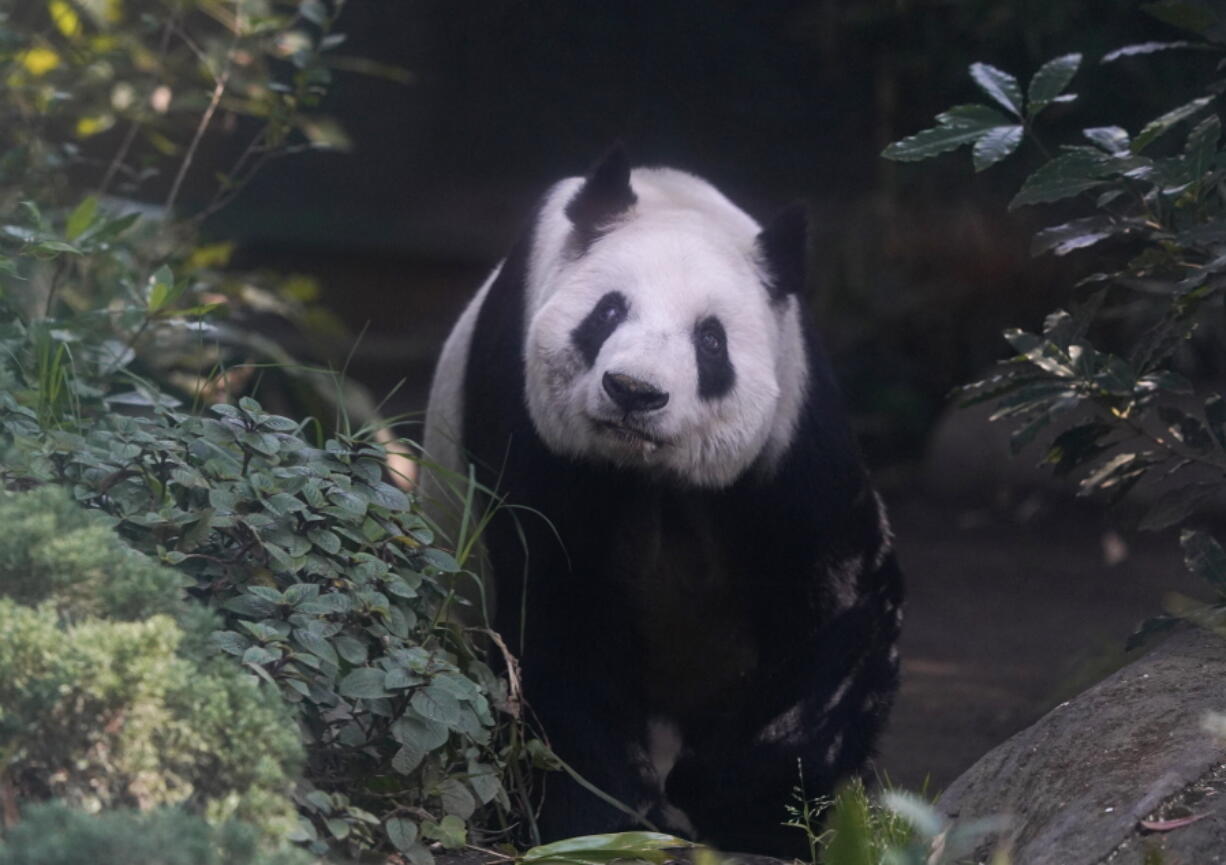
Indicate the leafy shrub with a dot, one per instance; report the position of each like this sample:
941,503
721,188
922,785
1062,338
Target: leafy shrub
312,573
58,835
329,590
1159,214
103,703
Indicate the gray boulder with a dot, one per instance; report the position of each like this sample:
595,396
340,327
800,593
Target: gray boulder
1134,747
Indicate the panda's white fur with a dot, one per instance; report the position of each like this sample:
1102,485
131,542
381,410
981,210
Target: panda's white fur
682,253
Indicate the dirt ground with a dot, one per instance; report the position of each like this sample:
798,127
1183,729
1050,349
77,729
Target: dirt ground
1010,611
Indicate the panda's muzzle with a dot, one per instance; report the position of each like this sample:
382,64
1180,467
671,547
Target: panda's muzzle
633,394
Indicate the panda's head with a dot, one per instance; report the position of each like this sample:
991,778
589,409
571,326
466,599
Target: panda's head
664,331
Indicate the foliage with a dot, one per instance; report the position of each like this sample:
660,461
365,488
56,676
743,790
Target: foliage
57,835
312,573
897,829
329,589
108,106
108,697
1159,213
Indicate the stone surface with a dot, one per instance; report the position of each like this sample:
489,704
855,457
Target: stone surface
1077,782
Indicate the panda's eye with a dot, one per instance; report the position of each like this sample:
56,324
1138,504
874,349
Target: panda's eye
711,338
610,311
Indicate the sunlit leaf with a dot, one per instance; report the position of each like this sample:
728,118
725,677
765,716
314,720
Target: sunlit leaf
1050,81
1000,86
1160,125
962,124
995,144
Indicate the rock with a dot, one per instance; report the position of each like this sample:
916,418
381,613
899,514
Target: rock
1077,782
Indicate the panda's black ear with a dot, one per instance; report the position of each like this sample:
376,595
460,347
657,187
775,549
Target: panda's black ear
605,195
784,246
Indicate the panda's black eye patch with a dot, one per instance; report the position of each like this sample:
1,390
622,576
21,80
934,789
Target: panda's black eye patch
598,325
715,373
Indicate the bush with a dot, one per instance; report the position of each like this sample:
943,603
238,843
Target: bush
58,835
103,702
1129,412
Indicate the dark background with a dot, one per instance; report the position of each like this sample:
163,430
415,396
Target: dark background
1018,597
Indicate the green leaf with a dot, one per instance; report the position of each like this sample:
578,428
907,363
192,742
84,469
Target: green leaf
1000,86
1187,16
962,124
351,649
1157,127
451,830
1201,149
402,832
161,288
408,757
1204,558
456,798
1050,81
1112,139
316,645
1146,48
1069,174
435,704
651,846
1175,506
81,218
995,144
1080,233
251,606
363,683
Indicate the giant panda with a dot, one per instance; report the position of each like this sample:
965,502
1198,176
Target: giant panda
691,564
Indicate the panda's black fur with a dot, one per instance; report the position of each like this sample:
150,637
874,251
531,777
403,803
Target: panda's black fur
771,649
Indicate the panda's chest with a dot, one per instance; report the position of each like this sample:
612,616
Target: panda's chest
679,570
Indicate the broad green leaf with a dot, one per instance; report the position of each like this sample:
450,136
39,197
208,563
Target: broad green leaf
81,218
1050,81
1145,48
161,288
451,831
962,124
995,144
363,683
402,832
1204,558
605,848
1201,149
316,645
427,734
1157,127
456,798
1069,174
408,757
1112,139
1000,86
1080,233
1175,506
351,649
435,704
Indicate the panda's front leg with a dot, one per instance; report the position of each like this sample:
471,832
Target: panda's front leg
599,733
812,720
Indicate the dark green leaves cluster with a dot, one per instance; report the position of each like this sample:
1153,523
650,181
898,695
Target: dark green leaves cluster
993,135
1157,205
331,593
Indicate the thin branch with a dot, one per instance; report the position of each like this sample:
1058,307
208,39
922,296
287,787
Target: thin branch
218,90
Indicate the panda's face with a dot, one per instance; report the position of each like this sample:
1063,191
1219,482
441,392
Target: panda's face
659,347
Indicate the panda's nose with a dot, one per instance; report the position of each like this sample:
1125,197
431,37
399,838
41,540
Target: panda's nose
633,394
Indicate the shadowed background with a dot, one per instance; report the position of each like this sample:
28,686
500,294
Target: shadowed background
1017,596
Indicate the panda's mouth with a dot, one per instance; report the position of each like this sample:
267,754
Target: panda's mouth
628,434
